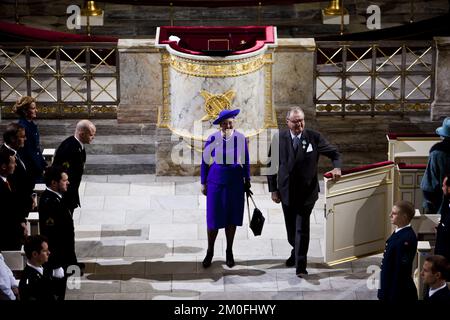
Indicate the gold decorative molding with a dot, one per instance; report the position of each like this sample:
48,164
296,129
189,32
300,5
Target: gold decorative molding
358,107
328,108
270,119
164,110
208,69
222,69
75,109
47,109
103,109
417,107
388,107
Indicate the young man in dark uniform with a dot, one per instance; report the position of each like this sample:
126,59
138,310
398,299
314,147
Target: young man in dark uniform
396,282
35,283
56,223
435,273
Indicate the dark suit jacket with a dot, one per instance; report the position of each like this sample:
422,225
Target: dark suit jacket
56,223
71,156
442,246
396,282
442,295
22,183
31,153
34,286
11,231
296,179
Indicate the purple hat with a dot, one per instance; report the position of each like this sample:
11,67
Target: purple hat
226,114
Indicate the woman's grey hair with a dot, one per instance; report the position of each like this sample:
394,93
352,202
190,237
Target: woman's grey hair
294,110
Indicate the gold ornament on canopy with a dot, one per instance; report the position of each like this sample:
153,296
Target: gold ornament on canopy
335,8
90,9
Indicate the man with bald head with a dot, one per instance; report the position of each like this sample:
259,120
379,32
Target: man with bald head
71,154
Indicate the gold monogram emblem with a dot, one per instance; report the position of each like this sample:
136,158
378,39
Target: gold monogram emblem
214,103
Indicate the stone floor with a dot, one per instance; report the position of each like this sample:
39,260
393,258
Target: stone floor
144,237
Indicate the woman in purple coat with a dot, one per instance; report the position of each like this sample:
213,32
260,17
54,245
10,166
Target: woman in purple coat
225,176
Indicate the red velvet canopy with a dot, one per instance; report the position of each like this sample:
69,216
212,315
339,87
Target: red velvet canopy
209,3
24,33
233,40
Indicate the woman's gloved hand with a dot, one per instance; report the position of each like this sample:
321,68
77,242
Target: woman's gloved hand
247,186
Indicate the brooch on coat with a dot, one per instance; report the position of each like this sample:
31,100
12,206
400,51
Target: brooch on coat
50,222
303,144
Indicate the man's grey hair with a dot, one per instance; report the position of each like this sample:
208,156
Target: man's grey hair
84,125
294,110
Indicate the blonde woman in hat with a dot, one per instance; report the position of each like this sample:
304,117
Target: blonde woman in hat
225,176
31,153
438,166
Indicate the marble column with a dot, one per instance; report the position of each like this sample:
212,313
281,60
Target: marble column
140,81
440,107
293,76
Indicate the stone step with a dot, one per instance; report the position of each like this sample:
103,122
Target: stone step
118,148
66,127
110,144
120,164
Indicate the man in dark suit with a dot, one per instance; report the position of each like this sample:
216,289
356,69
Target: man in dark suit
71,154
22,180
56,223
11,226
35,283
396,282
435,273
295,183
442,246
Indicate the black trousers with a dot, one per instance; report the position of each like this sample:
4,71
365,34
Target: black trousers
442,246
297,221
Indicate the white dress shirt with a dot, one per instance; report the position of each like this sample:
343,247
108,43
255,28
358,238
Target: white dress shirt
7,280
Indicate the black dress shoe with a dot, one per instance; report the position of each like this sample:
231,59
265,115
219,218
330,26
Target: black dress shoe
208,259
290,262
230,259
300,273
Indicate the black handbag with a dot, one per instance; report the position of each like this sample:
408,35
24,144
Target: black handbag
257,219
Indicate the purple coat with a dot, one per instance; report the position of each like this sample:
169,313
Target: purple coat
225,164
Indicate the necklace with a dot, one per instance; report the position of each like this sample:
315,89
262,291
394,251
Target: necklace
224,136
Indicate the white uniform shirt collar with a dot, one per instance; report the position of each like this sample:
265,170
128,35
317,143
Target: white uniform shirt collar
15,152
398,229
57,193
433,291
81,143
38,269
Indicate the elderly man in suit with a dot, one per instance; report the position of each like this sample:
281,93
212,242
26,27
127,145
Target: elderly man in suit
296,185
435,273
71,154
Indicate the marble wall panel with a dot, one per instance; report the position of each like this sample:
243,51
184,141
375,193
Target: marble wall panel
188,106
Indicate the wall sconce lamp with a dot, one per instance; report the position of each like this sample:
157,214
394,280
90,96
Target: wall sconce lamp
335,13
91,16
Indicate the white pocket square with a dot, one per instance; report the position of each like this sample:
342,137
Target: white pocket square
310,148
